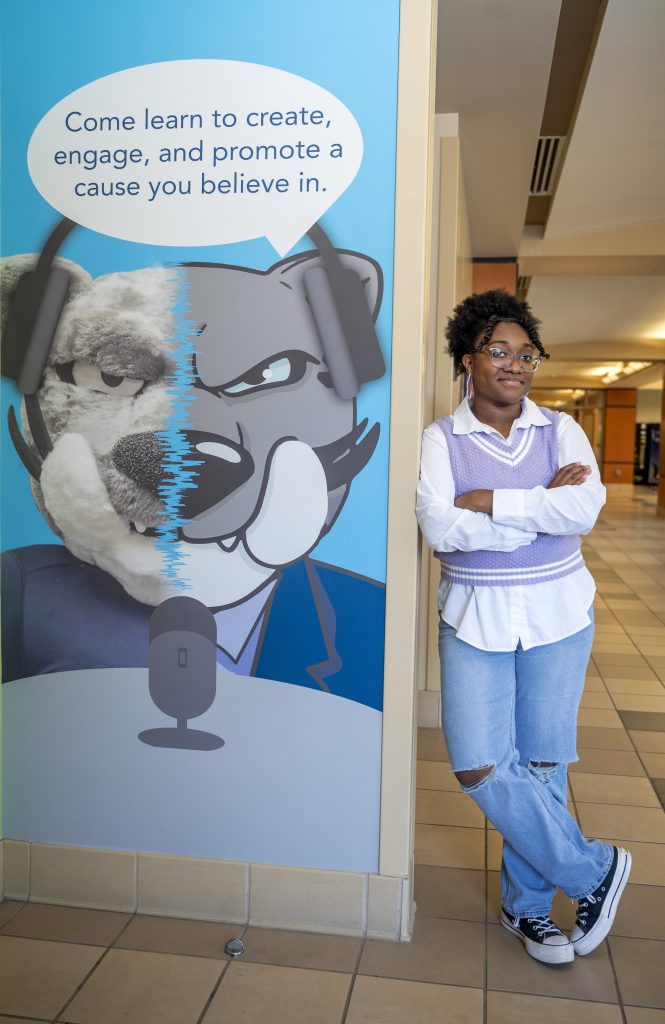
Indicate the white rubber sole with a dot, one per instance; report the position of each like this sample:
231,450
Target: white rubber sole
593,938
562,954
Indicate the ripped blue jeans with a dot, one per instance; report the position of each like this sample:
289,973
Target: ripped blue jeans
507,711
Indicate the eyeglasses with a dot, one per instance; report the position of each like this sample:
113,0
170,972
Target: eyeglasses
503,360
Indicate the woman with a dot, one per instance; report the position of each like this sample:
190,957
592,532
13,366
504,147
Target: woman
506,489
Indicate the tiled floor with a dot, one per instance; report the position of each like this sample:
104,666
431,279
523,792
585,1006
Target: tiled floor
94,967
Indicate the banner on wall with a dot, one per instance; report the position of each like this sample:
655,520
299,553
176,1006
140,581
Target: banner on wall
196,283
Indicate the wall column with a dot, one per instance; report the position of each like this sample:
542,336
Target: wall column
619,436
660,501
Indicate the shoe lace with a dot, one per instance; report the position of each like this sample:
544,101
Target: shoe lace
543,926
585,903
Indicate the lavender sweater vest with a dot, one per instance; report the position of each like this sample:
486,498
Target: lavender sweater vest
481,460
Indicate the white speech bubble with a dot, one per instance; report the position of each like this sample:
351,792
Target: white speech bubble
254,151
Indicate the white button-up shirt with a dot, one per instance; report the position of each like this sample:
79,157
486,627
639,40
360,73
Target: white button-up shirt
498,618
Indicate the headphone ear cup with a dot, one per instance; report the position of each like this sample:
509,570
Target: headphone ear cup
345,328
32,321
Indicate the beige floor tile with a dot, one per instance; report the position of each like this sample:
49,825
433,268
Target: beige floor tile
649,631
494,850
609,762
457,893
301,949
19,1020
37,978
182,937
131,987
441,951
436,775
8,910
643,1015
388,1001
431,745
67,924
449,846
639,702
511,969
607,650
629,660
654,764
596,699
644,824
631,618
641,913
512,1008
619,670
646,687
648,742
563,910
594,684
602,718
591,738
639,968
613,789
439,808
279,995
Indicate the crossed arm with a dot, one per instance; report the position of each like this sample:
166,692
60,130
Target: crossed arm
483,500
503,520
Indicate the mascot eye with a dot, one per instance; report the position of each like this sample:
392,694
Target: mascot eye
286,368
88,376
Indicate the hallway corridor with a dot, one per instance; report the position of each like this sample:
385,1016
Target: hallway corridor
95,967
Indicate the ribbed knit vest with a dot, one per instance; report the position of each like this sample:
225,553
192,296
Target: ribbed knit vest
480,460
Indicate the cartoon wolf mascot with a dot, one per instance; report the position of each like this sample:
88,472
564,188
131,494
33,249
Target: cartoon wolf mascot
271,450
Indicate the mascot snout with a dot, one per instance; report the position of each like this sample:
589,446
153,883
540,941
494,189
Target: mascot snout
222,466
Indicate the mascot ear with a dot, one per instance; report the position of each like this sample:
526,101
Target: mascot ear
367,269
13,267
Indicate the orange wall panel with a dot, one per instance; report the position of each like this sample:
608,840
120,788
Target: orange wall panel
618,472
619,434
621,396
495,275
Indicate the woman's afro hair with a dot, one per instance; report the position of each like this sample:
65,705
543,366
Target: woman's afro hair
474,319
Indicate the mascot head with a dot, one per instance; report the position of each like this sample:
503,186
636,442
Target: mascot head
269,445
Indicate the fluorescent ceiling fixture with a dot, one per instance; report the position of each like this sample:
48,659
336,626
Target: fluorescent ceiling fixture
603,371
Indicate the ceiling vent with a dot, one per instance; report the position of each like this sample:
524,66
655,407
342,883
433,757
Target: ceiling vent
548,151
523,283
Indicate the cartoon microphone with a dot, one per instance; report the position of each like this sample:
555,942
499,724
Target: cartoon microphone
182,673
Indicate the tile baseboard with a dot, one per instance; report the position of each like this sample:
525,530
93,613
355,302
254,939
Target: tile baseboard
331,902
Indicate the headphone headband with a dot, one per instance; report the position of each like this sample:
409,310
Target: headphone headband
335,293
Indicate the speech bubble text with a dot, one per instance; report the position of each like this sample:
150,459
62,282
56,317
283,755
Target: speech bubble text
196,152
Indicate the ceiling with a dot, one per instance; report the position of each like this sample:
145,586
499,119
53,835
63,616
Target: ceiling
594,250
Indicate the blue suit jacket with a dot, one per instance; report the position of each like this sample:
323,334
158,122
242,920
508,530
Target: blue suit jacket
323,628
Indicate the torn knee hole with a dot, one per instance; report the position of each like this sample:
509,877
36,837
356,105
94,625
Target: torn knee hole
543,770
474,777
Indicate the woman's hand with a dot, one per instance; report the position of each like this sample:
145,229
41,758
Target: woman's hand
476,501
574,473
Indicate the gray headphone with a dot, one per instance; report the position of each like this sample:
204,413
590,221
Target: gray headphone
335,294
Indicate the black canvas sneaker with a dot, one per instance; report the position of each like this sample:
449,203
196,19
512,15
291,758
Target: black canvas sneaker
596,912
543,939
